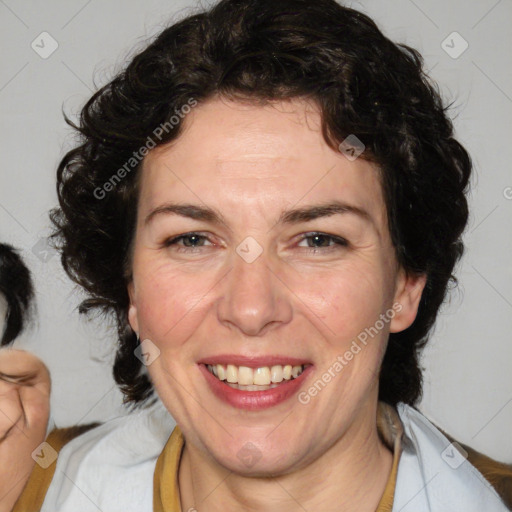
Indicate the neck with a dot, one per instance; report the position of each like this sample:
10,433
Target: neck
350,476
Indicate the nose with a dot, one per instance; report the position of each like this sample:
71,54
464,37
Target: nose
254,299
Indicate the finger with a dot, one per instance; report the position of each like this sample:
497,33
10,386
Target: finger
24,393
12,415
21,367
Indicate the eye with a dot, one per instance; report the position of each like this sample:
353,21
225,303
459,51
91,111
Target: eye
322,242
187,242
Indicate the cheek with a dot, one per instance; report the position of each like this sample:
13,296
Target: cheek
346,300
168,302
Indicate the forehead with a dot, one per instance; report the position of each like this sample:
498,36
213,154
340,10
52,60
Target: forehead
264,157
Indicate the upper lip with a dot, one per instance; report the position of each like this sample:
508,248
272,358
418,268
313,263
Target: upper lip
253,361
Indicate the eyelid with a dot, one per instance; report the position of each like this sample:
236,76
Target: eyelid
337,239
174,239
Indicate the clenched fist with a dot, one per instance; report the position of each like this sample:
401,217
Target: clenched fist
24,414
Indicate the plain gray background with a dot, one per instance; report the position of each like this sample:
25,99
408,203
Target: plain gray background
468,377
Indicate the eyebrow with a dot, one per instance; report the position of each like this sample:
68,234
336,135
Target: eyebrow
293,216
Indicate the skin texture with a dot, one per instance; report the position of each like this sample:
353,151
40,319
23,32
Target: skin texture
298,298
24,413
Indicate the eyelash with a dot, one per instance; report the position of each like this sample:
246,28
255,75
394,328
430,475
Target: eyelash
340,242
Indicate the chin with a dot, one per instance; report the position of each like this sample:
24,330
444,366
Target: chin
267,467
257,459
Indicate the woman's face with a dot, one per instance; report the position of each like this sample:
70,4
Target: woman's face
251,286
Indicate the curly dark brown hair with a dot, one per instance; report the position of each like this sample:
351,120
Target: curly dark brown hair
17,288
264,50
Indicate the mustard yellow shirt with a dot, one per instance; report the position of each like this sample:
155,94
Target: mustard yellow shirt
166,498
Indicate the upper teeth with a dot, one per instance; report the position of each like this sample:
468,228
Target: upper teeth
263,376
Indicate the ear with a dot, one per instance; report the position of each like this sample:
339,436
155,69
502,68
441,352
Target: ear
132,310
409,288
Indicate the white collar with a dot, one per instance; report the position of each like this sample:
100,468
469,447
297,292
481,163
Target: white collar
433,476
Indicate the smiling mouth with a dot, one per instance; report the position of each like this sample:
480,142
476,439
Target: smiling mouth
255,379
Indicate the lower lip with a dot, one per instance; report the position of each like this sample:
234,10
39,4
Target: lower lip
254,400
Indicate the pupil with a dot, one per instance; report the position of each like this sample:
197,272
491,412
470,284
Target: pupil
319,238
191,237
